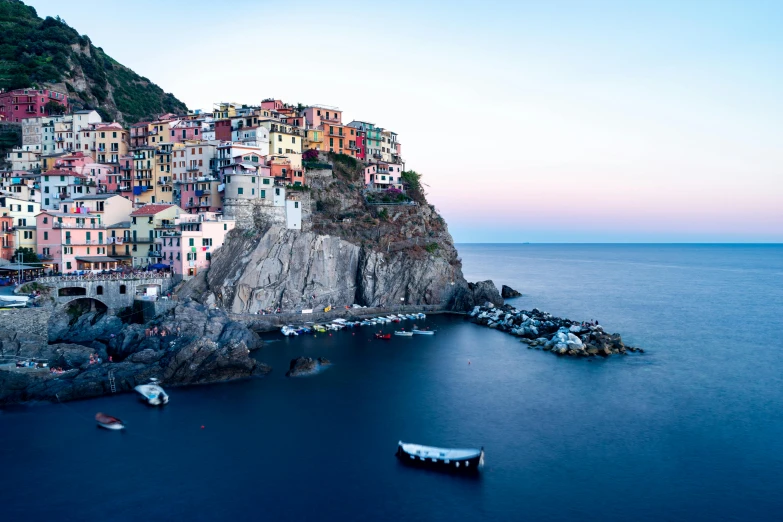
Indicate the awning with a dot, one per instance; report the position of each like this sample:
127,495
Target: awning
97,259
16,268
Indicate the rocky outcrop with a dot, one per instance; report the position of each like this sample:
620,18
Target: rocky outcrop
302,366
291,270
506,292
192,344
542,330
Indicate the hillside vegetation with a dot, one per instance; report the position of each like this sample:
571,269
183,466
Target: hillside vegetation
48,52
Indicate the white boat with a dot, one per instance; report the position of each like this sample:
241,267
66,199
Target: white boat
423,332
447,459
339,320
403,333
153,393
288,331
421,316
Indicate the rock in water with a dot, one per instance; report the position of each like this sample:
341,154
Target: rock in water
506,292
306,366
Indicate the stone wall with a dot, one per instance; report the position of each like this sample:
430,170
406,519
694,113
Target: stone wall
23,331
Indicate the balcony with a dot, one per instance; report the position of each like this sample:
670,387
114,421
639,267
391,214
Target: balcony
142,240
155,253
126,167
192,168
79,225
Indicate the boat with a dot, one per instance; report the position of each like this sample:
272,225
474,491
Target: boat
421,316
403,333
447,459
288,331
109,422
423,332
153,393
383,336
319,328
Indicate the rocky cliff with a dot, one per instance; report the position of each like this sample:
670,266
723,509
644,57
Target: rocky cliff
350,251
190,345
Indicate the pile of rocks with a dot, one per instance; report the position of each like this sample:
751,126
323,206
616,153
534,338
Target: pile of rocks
542,330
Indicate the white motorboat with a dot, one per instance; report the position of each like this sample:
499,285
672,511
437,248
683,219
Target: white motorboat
447,459
288,331
423,332
403,333
153,393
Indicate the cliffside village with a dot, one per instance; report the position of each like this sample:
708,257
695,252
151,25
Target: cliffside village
88,195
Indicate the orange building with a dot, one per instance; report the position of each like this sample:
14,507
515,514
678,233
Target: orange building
339,139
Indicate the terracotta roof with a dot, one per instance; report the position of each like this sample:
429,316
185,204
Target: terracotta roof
150,210
62,172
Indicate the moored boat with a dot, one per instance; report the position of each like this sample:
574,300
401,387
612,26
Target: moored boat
383,336
423,332
447,459
403,333
109,422
288,331
152,393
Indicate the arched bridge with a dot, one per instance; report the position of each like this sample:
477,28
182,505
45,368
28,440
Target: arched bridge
114,290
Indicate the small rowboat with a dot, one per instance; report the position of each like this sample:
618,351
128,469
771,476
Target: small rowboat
383,336
109,422
446,459
403,333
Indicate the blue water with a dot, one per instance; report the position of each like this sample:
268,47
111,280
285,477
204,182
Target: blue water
690,430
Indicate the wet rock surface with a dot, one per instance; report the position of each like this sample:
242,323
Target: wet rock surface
543,331
192,344
306,366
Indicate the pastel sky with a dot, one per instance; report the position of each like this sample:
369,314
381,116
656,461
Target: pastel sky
556,121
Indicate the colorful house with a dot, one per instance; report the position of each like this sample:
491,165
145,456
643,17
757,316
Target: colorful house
383,175
188,247
58,185
19,104
73,241
318,115
146,226
111,142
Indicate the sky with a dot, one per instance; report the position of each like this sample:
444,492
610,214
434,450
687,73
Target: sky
556,121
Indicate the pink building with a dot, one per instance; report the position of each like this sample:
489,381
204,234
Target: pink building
186,130
188,248
383,175
317,115
73,241
19,104
272,105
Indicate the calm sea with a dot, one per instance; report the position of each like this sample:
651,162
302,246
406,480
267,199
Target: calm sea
691,430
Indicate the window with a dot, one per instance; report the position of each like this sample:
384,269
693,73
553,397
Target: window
296,204
240,190
190,242
46,235
68,265
279,137
266,181
207,241
123,289
29,208
99,290
46,220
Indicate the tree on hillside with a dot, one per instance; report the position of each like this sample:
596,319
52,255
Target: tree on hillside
54,108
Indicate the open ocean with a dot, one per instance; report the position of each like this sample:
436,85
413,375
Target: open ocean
690,430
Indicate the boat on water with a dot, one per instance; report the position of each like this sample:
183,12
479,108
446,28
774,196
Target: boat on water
447,459
152,393
109,422
403,333
383,336
423,332
319,328
288,331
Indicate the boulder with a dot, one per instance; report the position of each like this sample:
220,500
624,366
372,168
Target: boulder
304,366
506,292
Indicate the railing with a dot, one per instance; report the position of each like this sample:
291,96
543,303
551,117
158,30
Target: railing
192,168
105,277
78,225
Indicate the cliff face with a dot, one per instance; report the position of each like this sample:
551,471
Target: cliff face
349,252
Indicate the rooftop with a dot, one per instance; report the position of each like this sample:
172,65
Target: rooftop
151,210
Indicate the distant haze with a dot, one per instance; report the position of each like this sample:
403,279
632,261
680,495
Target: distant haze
532,121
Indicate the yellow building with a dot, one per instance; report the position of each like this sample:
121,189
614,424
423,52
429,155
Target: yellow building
224,111
146,225
111,142
144,175
164,186
158,132
313,139
285,140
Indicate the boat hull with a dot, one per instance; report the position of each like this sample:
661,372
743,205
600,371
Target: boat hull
460,465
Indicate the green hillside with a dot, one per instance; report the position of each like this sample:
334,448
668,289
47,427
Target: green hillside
37,52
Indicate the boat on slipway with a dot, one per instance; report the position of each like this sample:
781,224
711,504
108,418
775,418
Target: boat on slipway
446,459
108,422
